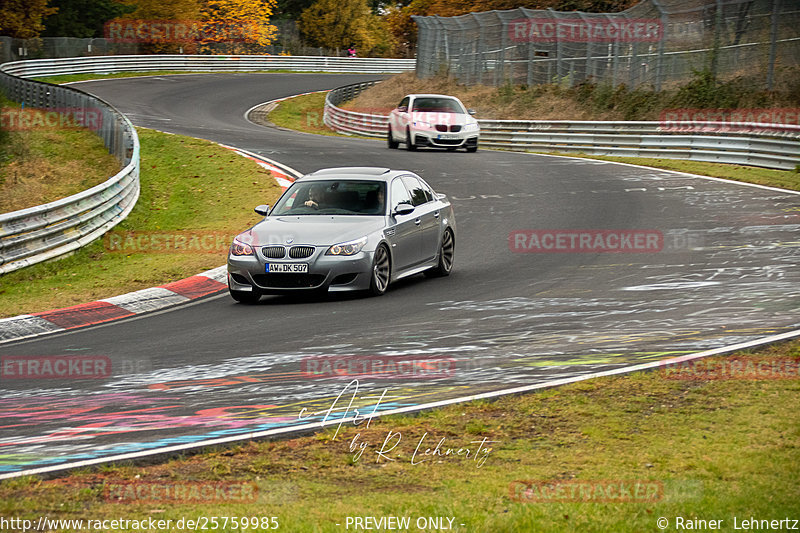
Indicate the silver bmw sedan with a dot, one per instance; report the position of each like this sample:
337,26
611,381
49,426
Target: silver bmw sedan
344,229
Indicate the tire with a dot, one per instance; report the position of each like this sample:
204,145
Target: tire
447,250
244,297
381,271
410,146
472,149
390,140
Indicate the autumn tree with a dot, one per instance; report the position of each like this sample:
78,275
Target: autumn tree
23,19
237,26
403,29
340,24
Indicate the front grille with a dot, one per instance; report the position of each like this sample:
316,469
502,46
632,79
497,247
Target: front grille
274,252
443,127
300,252
288,281
455,129
448,141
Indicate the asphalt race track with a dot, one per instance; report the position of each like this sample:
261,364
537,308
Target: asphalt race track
725,271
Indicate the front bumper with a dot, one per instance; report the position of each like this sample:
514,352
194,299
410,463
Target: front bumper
325,273
422,139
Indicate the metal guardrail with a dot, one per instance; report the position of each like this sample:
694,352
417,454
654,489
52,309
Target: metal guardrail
194,63
36,234
742,143
351,122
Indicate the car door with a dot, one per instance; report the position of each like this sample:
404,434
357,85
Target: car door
427,213
406,241
399,119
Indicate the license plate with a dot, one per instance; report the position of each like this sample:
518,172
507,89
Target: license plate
287,268
446,136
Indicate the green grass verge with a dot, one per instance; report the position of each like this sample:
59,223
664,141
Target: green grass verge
189,188
707,449
305,113
46,164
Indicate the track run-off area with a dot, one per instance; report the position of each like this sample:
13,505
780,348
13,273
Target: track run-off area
716,265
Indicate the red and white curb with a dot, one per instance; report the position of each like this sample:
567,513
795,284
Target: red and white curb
138,302
117,307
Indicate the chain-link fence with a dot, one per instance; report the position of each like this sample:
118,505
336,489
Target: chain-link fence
653,43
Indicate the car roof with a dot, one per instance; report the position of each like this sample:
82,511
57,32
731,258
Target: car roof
432,96
356,173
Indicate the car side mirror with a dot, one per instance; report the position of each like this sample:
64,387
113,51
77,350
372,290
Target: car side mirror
262,210
403,209
471,112
402,109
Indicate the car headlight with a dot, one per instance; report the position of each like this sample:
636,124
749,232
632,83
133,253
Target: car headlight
347,248
240,248
422,124
471,127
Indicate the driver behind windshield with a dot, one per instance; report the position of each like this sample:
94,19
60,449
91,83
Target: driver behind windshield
316,196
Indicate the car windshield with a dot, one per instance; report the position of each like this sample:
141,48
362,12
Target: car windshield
333,197
437,105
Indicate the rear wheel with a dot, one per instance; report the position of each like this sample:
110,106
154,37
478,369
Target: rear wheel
446,255
381,271
410,146
390,140
245,297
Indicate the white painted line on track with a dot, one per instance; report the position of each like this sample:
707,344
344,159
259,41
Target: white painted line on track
687,174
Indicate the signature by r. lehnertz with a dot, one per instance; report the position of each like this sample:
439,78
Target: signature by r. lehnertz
392,448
